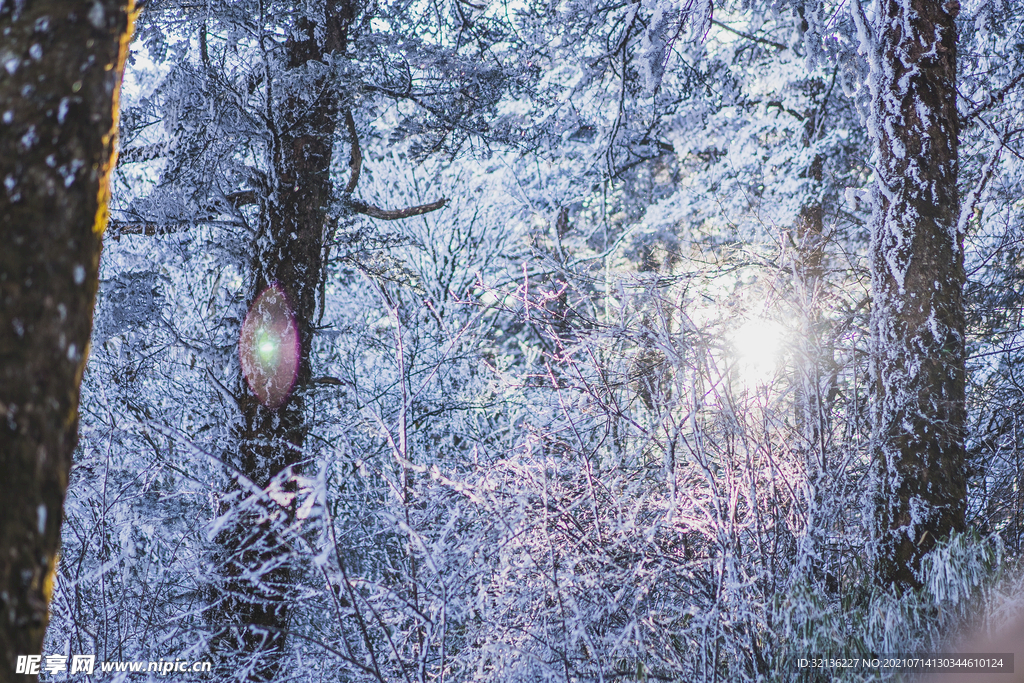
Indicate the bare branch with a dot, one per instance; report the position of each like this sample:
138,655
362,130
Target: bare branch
118,228
994,98
749,36
971,201
135,155
243,198
395,214
156,228
792,112
152,228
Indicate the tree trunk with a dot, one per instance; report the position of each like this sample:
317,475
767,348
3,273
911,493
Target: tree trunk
58,143
289,252
811,404
917,279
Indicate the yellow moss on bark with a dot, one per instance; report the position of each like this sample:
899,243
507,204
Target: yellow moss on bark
110,139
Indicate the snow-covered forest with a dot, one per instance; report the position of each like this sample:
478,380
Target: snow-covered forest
524,341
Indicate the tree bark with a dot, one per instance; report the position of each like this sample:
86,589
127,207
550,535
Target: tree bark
289,252
62,64
917,280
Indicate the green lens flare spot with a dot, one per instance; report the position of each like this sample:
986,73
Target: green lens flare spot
268,347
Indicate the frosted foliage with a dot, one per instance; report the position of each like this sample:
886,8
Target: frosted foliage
131,300
605,416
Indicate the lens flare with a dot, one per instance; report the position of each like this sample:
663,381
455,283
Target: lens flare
757,345
268,347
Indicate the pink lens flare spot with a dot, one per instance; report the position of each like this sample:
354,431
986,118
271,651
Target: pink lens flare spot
269,347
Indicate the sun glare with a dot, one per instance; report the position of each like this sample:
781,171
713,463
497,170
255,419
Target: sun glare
757,345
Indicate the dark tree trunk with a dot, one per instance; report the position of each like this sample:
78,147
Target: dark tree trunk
289,252
809,276
58,143
917,280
